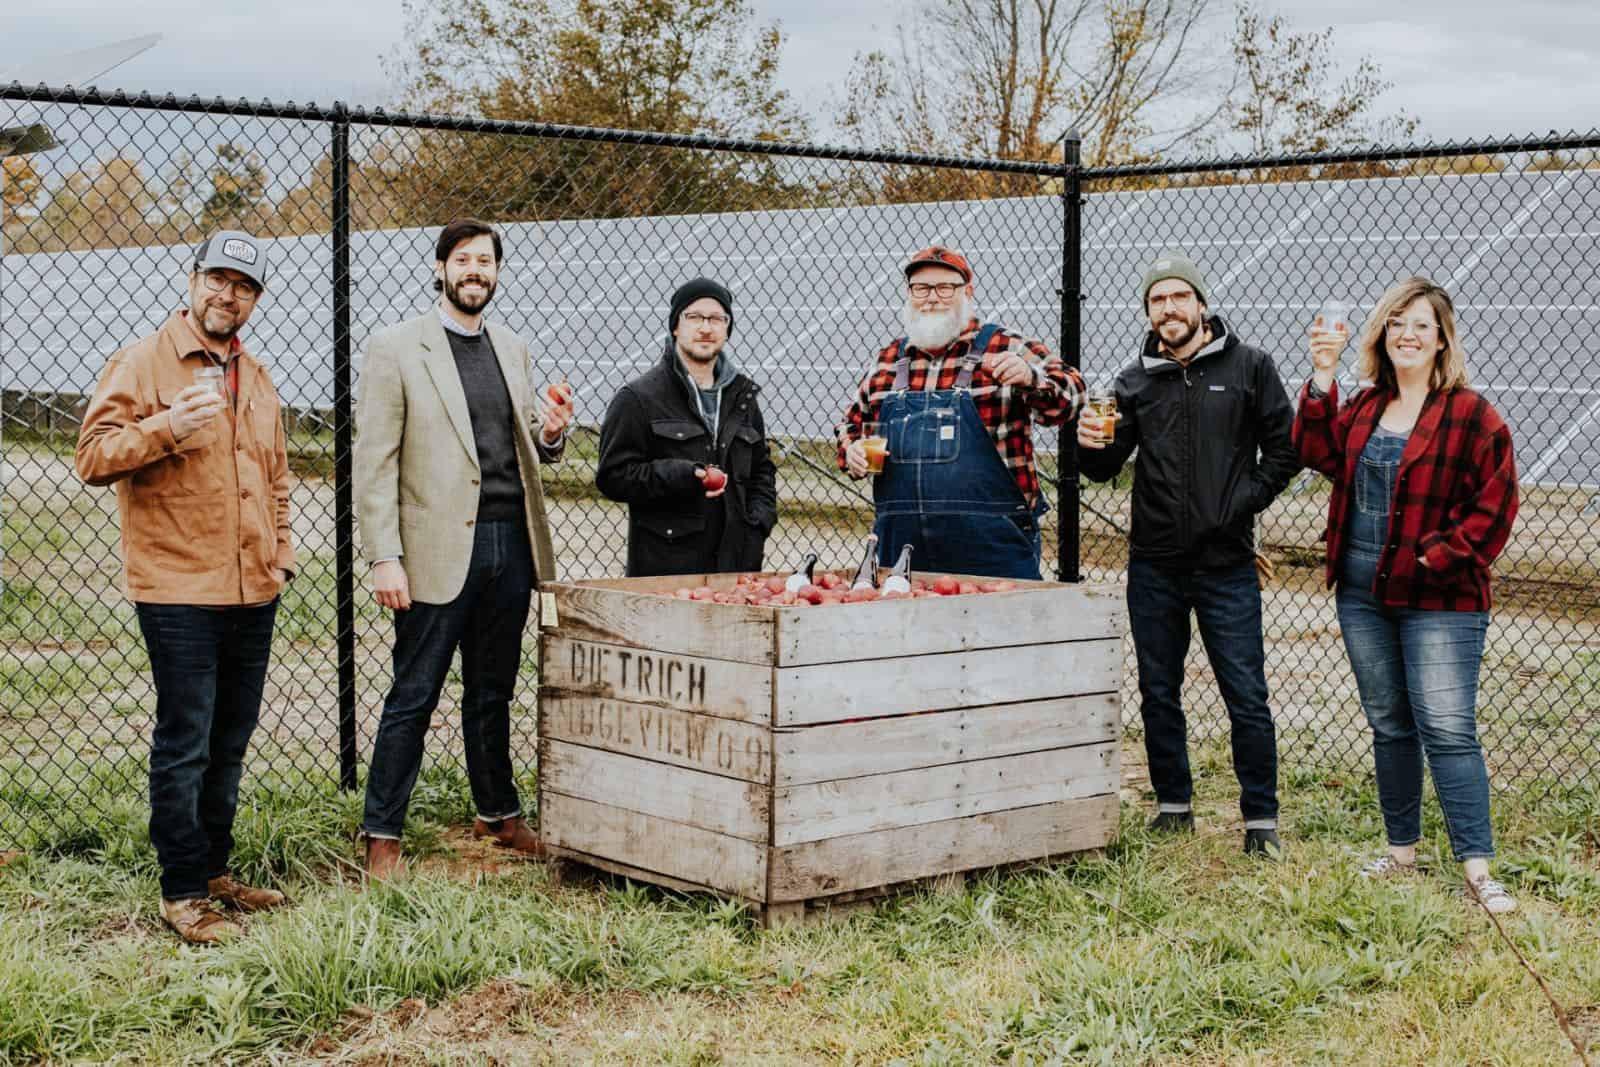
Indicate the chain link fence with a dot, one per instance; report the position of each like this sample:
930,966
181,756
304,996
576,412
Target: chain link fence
106,195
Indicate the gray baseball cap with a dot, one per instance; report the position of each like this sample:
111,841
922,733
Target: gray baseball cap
233,250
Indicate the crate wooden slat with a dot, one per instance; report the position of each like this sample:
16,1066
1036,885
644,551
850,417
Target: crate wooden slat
794,757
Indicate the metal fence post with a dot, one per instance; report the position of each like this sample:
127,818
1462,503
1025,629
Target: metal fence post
343,425
1067,503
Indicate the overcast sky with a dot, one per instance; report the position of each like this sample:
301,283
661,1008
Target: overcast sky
1467,68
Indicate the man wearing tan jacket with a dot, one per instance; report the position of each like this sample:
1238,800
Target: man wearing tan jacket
187,425
452,516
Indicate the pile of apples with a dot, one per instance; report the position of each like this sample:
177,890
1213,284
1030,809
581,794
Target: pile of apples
828,588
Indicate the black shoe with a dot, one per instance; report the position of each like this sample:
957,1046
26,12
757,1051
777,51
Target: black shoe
1263,843
1172,822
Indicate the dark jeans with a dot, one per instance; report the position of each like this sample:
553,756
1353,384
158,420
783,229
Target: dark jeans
1227,605
485,621
1418,676
210,666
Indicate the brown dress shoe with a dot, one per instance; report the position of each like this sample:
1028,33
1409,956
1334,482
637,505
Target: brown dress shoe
384,861
226,889
198,921
513,833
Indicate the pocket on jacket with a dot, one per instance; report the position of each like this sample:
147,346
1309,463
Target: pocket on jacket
180,535
672,528
741,452
680,431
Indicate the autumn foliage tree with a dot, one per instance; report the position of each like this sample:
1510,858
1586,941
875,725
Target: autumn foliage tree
668,66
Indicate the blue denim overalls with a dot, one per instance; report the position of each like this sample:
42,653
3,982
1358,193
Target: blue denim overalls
944,489
1376,471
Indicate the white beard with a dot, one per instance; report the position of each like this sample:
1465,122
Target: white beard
935,329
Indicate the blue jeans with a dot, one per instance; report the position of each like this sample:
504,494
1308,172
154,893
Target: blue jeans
1227,606
1418,676
210,667
485,621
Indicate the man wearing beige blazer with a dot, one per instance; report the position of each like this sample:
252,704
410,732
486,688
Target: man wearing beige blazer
452,516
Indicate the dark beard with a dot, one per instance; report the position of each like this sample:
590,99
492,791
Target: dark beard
1173,346
452,293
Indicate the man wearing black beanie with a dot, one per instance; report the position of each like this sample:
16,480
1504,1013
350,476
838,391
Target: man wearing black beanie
685,447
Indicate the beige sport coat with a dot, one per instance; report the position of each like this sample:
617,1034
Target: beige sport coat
416,465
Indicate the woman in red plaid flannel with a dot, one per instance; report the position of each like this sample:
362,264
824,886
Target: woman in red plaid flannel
1424,494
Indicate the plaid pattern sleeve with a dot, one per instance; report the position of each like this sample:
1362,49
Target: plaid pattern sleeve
1455,498
1055,398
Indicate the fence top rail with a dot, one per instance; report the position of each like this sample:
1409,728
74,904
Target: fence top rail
341,112
1551,142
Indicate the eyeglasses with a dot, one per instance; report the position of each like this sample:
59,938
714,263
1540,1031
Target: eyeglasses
1401,327
242,289
946,290
1175,299
694,318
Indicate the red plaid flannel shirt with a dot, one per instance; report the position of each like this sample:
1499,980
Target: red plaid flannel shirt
1006,410
1455,494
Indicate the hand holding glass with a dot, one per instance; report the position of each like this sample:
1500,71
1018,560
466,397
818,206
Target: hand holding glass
1100,414
876,446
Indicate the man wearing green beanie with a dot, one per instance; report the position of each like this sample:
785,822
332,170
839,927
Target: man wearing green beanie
1210,420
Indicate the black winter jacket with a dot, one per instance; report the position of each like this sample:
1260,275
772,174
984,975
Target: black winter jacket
652,440
1198,481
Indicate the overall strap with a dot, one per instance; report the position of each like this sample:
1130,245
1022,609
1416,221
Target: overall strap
975,354
902,367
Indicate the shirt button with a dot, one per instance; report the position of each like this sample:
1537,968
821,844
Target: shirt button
471,521
669,531
244,494
474,481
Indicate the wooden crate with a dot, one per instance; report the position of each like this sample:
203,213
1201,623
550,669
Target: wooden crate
804,757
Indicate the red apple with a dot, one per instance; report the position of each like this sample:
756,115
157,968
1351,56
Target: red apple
684,594
809,593
829,580
714,478
968,588
997,587
559,392
775,585
946,586
704,592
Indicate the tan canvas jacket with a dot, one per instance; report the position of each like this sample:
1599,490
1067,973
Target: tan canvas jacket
416,463
206,519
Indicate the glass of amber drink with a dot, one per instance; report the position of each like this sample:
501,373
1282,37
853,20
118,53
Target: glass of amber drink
1100,411
876,446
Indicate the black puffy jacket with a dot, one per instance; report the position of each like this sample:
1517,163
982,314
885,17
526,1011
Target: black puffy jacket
650,444
1213,450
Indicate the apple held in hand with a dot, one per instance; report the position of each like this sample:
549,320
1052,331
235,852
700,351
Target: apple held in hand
559,392
714,478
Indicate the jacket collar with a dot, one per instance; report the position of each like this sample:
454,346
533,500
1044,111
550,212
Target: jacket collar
1154,362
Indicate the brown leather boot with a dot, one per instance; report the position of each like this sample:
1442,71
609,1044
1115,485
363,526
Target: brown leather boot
226,889
198,921
513,833
384,861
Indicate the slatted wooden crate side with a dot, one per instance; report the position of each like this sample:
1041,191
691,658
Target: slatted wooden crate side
689,739
631,613
875,688
806,754
701,684
694,798
934,794
660,850
817,869
1036,612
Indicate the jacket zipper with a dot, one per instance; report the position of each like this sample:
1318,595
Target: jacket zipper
1188,458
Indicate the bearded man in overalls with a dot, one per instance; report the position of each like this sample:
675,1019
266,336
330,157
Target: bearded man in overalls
956,399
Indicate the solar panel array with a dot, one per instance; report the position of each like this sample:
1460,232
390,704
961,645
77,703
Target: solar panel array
818,291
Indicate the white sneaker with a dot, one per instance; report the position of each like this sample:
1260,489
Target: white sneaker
1386,866
1492,895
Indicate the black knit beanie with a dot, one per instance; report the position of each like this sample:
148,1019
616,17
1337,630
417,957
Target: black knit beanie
693,290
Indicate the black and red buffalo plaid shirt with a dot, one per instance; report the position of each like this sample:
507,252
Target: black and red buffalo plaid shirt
1455,492
1006,410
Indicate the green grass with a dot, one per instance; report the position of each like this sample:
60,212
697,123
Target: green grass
1159,951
